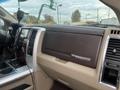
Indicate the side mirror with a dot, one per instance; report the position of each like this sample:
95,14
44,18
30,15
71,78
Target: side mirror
20,15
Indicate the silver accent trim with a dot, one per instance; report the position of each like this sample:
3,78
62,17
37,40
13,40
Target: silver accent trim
108,85
64,82
20,72
32,60
81,57
102,65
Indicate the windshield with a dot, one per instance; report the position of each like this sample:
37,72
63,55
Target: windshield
70,12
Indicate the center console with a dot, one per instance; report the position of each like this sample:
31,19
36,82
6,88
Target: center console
20,67
110,73
9,66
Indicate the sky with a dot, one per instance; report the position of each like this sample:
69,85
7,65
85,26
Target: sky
2,1
87,8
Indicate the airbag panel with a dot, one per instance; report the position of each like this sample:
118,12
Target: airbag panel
77,48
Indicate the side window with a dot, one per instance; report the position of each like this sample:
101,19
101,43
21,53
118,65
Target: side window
2,27
1,24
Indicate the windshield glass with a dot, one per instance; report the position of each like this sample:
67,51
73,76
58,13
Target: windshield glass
70,12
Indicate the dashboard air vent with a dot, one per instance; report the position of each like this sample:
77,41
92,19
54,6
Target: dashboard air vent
115,32
111,70
113,51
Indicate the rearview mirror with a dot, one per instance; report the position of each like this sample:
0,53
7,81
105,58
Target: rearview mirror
21,0
20,15
52,4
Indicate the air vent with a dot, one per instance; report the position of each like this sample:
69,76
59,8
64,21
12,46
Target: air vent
113,51
115,32
111,70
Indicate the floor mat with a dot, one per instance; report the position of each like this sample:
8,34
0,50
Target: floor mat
59,86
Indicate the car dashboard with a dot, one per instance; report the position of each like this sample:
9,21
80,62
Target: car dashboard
81,57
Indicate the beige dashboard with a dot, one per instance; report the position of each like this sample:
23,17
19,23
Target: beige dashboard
76,76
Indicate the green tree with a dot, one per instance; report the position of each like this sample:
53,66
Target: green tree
48,19
29,19
76,16
32,20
